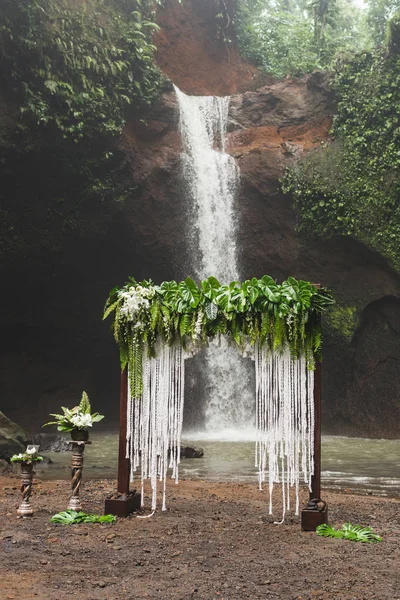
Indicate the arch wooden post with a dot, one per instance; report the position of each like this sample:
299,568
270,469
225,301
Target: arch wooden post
124,501
316,511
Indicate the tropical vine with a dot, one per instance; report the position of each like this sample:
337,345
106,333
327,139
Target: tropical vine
79,65
71,73
276,316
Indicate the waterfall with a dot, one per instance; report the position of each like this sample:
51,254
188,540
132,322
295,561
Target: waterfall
212,178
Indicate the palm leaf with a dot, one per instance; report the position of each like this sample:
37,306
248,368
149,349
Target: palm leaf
71,517
325,530
354,533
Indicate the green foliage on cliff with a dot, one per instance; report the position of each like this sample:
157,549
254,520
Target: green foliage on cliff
393,34
378,16
341,321
352,185
71,73
78,65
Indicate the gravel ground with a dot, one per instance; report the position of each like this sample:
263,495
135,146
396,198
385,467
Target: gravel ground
216,541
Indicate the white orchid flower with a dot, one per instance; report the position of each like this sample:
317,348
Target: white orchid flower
82,421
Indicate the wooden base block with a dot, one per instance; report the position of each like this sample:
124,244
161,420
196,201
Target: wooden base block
123,506
310,519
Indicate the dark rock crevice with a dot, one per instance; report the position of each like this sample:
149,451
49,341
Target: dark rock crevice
370,400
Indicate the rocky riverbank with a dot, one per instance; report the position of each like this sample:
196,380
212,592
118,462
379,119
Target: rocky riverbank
215,541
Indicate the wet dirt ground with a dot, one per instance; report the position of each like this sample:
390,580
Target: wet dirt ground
216,541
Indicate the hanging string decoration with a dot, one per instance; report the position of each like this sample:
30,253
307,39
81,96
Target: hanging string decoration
285,423
155,420
158,326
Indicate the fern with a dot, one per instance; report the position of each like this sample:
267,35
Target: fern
255,329
116,326
279,340
136,369
123,356
84,405
265,327
110,309
317,341
154,314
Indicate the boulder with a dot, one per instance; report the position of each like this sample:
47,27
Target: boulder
13,439
11,430
192,452
51,442
5,467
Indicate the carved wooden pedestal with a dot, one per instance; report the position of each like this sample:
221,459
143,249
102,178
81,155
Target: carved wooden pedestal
27,472
78,448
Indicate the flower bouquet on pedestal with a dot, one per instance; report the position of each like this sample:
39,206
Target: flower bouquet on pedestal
29,457
27,460
76,420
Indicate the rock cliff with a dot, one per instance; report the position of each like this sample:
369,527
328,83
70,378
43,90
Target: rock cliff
54,344
270,128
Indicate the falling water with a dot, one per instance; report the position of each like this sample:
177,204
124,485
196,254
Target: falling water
212,179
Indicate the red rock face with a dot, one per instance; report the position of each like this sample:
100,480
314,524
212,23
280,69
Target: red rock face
190,50
268,130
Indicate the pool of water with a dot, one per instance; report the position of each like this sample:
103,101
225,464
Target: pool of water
354,464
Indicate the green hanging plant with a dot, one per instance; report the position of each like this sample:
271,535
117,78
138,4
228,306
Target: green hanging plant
276,316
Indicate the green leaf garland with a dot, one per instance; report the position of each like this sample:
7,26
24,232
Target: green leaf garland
276,316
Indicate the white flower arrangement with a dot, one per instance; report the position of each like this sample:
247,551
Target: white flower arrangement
77,418
135,299
29,456
82,420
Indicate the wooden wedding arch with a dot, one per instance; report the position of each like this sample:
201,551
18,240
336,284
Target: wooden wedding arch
172,312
